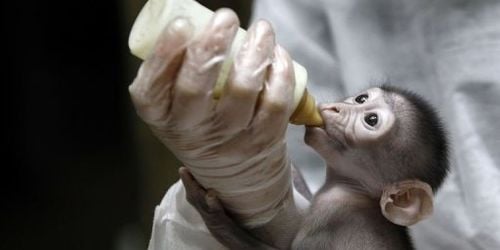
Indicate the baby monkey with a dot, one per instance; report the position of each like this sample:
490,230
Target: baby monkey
386,154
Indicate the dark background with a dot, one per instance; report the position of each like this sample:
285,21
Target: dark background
82,172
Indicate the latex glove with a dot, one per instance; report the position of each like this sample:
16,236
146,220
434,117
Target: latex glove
234,145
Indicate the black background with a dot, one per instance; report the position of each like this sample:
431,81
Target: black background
72,178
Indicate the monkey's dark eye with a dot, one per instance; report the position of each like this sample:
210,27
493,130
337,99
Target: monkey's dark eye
361,98
371,119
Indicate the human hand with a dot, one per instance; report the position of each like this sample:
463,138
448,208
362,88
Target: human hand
218,222
234,145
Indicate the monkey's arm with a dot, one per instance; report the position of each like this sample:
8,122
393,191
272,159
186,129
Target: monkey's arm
300,184
218,222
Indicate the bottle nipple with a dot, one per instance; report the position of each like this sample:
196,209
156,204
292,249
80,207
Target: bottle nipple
307,112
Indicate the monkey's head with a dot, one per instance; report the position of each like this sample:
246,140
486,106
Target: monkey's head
390,143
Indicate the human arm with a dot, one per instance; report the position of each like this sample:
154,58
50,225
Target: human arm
234,145
218,221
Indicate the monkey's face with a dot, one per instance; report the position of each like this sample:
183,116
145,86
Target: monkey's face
361,121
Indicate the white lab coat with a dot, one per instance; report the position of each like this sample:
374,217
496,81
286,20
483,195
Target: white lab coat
447,50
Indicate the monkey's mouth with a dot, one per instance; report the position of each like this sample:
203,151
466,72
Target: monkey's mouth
333,125
336,135
322,141
330,134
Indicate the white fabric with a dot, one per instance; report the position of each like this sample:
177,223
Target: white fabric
177,225
447,50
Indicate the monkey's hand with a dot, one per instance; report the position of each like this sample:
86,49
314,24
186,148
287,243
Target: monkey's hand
219,223
235,144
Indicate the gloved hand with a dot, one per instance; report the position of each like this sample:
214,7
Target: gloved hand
234,145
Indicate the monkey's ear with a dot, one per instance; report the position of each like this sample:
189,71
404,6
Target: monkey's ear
407,202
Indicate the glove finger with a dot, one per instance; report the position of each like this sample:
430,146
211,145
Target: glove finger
151,89
276,101
201,67
240,96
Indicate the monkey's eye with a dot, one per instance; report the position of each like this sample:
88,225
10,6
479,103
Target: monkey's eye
361,98
371,119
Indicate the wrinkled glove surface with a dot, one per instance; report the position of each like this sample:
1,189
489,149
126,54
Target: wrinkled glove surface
235,144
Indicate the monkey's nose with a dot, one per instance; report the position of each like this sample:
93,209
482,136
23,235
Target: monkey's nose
330,107
334,108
